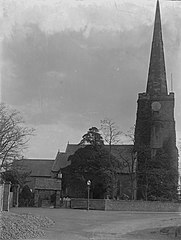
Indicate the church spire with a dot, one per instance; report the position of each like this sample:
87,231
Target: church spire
157,84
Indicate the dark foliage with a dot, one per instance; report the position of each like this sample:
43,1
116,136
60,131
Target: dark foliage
92,137
157,178
16,176
92,163
26,197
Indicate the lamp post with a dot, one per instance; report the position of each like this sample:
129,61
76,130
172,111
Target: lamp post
88,192
60,178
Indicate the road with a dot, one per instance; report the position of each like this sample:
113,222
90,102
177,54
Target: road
71,224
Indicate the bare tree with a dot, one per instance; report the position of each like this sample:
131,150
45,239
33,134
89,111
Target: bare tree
129,161
112,136
111,132
130,134
14,135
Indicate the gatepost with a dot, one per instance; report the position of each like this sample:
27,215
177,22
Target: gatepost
16,195
6,196
57,203
1,196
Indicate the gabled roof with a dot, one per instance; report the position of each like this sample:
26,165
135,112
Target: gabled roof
38,167
47,184
60,161
121,152
72,148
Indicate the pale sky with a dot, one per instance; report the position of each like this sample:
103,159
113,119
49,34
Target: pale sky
68,64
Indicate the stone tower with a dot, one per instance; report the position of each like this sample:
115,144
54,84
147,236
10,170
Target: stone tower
155,137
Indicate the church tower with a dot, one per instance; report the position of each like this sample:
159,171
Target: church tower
155,137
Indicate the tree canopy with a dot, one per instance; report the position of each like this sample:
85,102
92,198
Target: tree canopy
90,163
17,174
156,176
92,137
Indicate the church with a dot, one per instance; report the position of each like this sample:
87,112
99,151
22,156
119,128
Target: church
155,137
154,147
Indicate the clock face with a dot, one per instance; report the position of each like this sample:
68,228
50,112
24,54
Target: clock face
155,106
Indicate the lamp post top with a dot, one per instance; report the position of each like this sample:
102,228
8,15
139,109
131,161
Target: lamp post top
88,182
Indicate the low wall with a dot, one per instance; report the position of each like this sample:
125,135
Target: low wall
150,206
94,204
121,205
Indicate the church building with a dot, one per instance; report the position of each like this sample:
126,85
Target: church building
155,137
154,154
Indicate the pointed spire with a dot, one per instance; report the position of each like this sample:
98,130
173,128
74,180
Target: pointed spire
157,84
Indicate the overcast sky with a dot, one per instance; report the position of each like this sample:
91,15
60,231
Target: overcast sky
67,64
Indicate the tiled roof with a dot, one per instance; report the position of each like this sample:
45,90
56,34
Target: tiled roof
72,148
119,151
38,167
60,161
47,184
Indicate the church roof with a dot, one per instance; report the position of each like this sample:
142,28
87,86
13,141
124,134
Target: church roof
47,184
156,84
60,161
118,150
38,167
72,148
121,152
44,167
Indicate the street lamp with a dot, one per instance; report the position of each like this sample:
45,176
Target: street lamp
59,176
88,191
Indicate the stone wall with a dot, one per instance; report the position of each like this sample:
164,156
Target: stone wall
155,206
121,205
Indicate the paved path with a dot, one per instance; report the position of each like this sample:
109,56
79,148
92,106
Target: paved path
73,224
